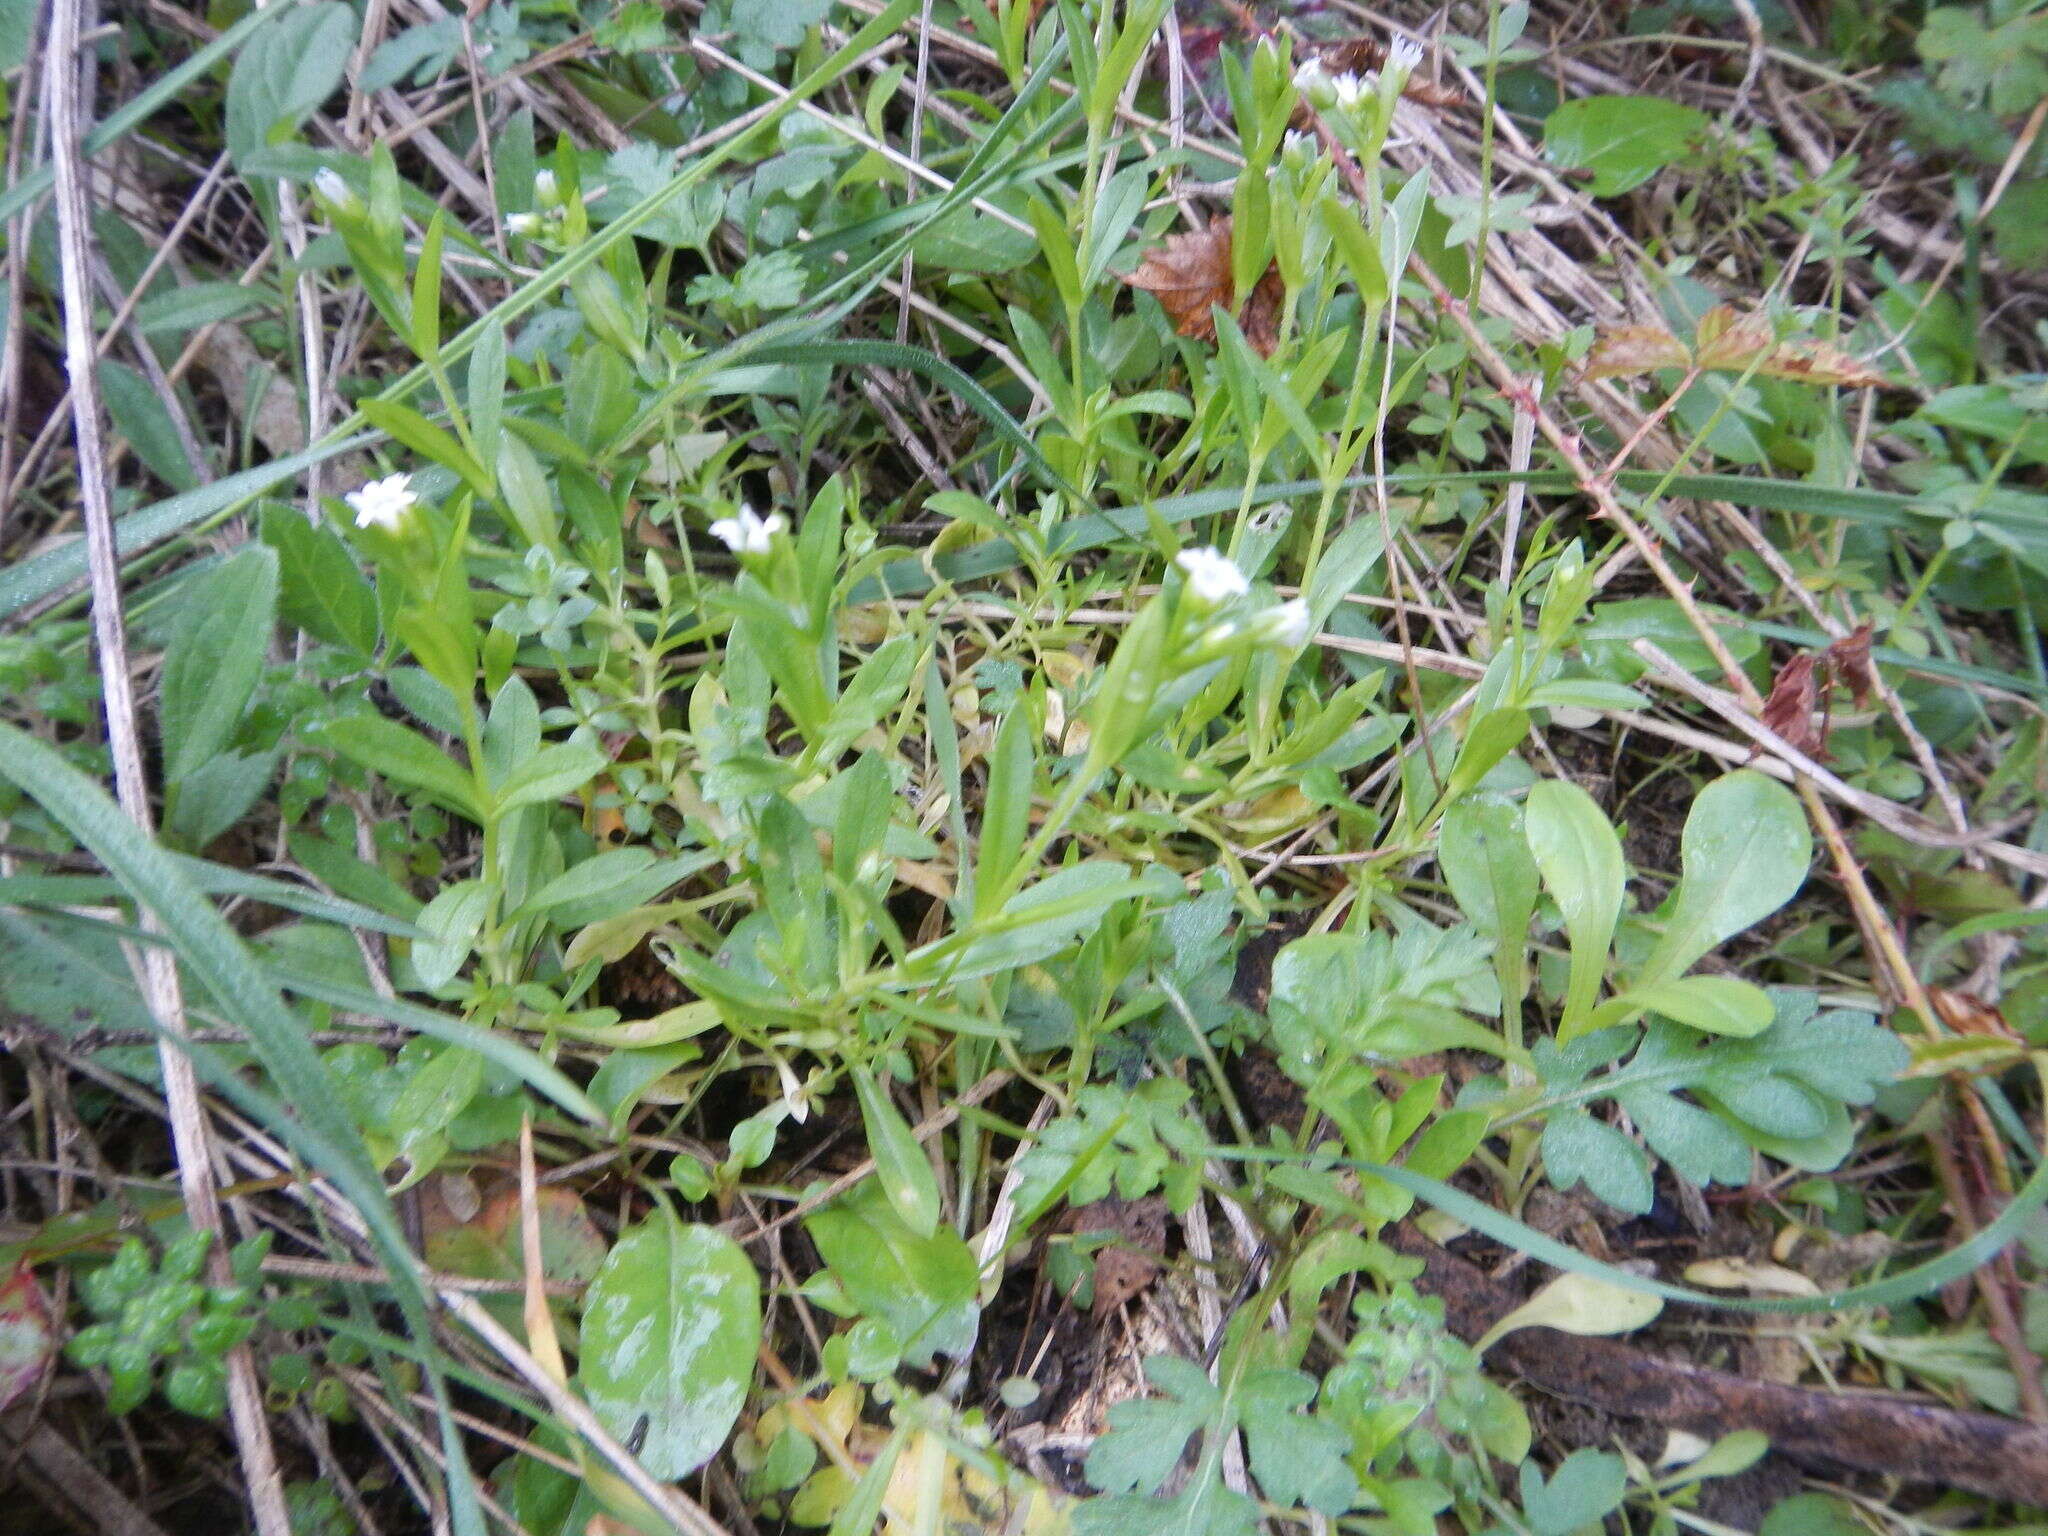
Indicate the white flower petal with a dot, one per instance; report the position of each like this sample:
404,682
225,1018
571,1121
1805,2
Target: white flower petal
1288,626
382,503
1403,56
1212,578
747,532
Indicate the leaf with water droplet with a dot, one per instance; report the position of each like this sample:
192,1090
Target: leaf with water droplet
670,1327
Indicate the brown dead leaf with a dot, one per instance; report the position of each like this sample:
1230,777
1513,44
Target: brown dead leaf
1790,710
1627,350
1260,321
1850,659
1818,362
1968,1014
1190,276
1729,341
1131,1261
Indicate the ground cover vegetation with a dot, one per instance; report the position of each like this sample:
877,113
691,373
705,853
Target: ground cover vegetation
1024,766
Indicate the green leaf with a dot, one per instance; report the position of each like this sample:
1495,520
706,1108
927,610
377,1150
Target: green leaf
216,658
426,290
670,1328
1037,922
430,1100
1490,738
1622,140
451,922
142,416
430,442
1743,855
216,795
1576,1148
1361,256
1297,1457
1720,1005
902,1168
548,775
487,389
1584,1489
285,73
1006,807
1812,1514
1580,858
1484,854
923,1288
406,757
1147,1435
320,588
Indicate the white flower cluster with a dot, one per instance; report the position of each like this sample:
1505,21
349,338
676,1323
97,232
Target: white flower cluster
1323,90
1214,579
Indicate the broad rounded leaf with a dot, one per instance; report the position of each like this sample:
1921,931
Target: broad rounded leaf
670,1327
1743,855
1622,140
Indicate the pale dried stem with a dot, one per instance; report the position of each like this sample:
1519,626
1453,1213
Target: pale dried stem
65,86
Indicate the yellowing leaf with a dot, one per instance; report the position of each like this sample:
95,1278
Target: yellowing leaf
1581,1304
1628,350
1748,1274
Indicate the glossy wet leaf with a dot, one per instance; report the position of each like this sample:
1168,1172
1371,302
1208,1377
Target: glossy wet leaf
670,1327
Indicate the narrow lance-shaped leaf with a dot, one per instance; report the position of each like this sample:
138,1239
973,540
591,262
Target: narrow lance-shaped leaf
900,1163
1580,858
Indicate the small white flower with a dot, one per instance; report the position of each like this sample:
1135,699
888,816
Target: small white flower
1349,90
749,533
796,1097
382,503
1314,85
523,223
1286,627
1211,577
332,189
1403,56
545,192
1298,148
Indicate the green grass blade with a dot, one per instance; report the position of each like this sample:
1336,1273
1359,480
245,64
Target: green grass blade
315,1126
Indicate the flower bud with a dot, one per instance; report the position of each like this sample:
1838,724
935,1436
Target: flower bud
336,193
